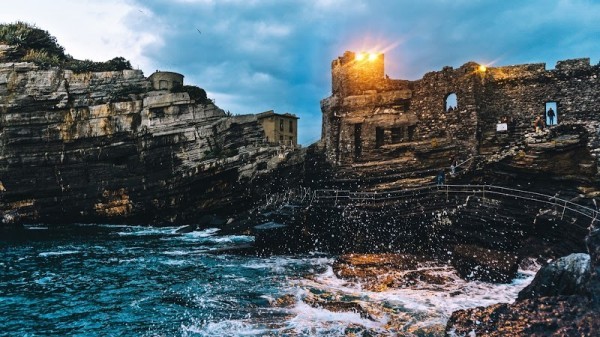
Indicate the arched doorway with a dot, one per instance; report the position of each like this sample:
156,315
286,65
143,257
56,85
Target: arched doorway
450,102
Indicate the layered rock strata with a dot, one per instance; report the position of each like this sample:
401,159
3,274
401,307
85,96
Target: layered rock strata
95,147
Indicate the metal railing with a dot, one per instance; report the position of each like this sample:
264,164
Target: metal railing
346,196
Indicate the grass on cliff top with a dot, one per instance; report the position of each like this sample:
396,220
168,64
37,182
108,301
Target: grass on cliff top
36,45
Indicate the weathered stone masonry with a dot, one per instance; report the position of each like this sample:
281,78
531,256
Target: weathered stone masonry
370,117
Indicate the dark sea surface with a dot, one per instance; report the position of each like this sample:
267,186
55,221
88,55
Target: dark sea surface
109,280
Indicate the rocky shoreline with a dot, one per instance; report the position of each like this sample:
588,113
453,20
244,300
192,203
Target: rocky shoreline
108,147
559,302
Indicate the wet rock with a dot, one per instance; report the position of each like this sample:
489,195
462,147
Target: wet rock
476,263
211,220
368,265
330,302
554,314
378,272
593,244
568,275
285,301
547,316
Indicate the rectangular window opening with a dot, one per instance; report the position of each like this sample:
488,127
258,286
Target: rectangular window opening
411,132
551,113
379,137
397,135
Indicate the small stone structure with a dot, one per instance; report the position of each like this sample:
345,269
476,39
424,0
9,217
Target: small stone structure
370,117
279,128
166,80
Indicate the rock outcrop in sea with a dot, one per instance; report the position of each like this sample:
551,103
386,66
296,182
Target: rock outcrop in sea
562,300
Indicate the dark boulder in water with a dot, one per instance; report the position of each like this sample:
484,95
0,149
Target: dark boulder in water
476,263
561,301
568,275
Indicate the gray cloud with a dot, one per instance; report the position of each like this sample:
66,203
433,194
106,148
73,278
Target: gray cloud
257,55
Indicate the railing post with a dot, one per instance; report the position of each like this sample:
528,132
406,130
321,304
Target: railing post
594,219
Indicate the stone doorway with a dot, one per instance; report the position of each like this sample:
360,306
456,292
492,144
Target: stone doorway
551,120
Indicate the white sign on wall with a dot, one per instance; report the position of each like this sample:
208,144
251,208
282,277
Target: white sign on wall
501,127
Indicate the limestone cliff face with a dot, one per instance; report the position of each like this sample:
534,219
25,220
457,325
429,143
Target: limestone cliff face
105,147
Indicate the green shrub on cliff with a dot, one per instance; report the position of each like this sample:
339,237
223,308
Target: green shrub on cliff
83,66
30,39
196,93
38,46
42,58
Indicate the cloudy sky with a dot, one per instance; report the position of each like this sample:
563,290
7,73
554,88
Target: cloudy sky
257,55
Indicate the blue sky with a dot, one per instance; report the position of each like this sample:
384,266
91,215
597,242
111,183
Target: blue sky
253,55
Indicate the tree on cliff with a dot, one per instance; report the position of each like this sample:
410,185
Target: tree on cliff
38,46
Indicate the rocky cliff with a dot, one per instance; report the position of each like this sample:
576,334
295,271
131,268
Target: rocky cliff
107,147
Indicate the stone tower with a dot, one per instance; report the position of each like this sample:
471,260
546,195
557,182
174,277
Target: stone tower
355,73
165,80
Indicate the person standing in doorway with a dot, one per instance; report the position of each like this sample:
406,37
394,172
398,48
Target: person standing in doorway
551,115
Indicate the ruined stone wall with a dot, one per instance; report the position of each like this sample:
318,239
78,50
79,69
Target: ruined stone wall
429,104
401,117
521,92
407,125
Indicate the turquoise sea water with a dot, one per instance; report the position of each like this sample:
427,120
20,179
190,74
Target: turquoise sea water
104,280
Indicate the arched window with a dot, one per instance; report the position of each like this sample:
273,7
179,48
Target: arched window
450,103
551,113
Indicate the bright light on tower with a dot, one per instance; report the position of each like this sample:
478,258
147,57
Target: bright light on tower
372,57
360,56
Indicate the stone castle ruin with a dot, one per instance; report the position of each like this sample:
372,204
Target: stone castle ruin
457,113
